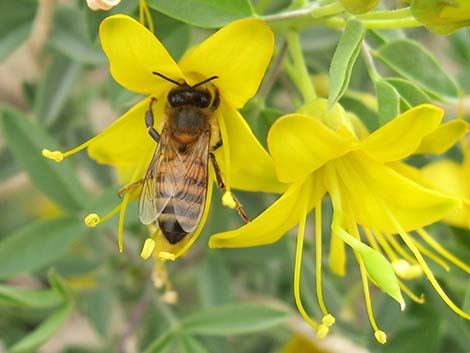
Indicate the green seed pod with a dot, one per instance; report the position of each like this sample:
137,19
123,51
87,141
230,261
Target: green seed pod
359,6
442,16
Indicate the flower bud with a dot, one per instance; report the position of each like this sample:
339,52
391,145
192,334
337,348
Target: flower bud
359,6
102,4
443,17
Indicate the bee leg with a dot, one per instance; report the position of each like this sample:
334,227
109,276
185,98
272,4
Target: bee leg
149,122
221,185
217,145
130,187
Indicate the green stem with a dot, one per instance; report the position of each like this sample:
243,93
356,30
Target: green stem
313,11
386,15
369,61
337,22
300,73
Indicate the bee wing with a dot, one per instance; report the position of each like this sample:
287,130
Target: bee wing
191,187
159,182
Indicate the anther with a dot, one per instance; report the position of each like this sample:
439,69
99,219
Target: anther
170,297
92,220
380,336
227,200
323,331
54,155
328,320
405,270
164,255
148,248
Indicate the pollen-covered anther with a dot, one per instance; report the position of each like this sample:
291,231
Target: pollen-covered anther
54,155
148,248
405,270
323,331
170,297
92,220
164,255
328,320
380,336
228,200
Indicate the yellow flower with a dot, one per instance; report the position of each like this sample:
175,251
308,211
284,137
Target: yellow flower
454,179
322,151
443,17
237,55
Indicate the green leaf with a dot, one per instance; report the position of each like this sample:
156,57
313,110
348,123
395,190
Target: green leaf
59,284
26,141
412,94
32,298
365,112
174,35
377,266
16,20
97,306
190,344
414,62
38,245
161,344
234,319
388,101
70,37
44,331
214,282
343,60
204,13
54,89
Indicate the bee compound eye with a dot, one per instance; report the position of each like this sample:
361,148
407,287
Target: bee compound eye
175,99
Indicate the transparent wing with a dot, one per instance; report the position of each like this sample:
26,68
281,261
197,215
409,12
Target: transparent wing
191,186
159,182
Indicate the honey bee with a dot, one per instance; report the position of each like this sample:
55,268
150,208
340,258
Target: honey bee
174,188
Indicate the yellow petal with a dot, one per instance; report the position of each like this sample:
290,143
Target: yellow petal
372,189
401,136
238,54
134,53
301,144
274,222
126,141
450,178
443,138
252,168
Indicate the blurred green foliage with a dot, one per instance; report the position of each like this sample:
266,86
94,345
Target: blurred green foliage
229,300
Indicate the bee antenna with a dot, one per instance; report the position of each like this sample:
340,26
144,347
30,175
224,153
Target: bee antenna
167,78
205,81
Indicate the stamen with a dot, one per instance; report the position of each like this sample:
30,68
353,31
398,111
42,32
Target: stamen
398,248
226,150
170,297
144,15
383,243
92,220
380,336
404,270
165,255
432,256
54,155
410,294
298,268
427,271
148,248
59,156
122,215
227,200
318,257
443,252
